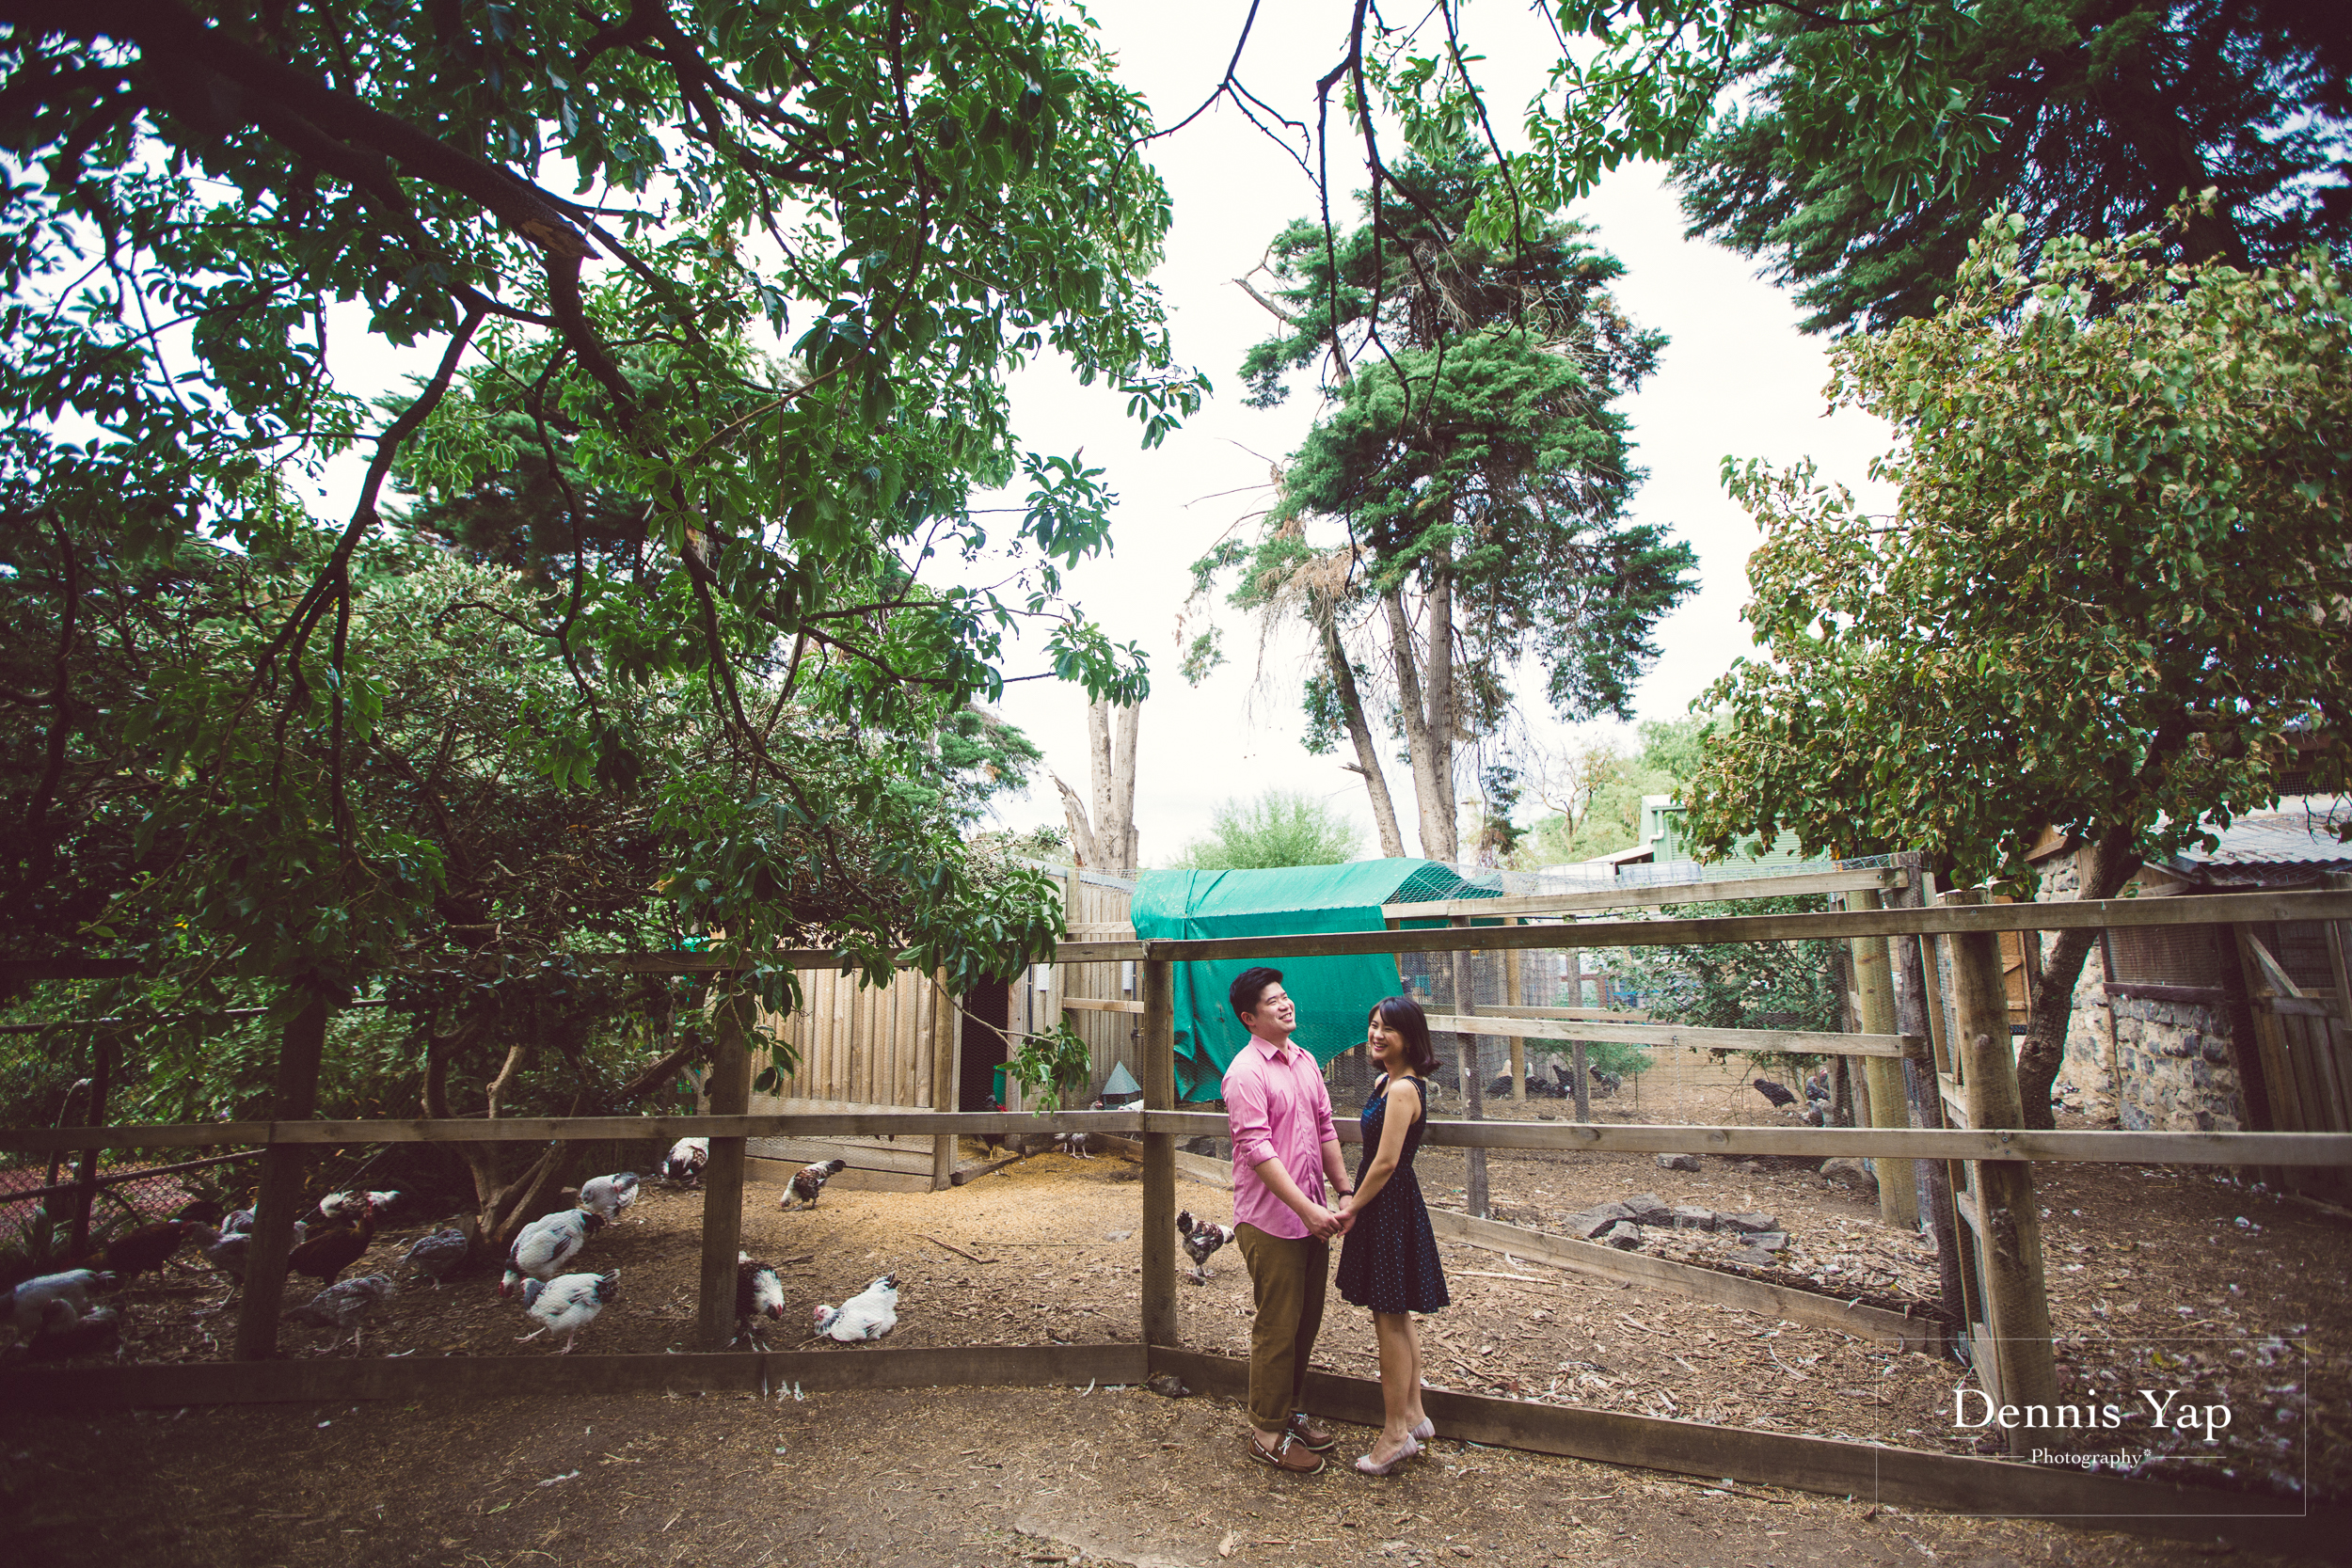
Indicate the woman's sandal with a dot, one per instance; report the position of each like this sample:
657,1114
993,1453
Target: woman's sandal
1364,1462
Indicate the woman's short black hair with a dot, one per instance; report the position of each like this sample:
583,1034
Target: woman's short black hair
1404,1015
1248,985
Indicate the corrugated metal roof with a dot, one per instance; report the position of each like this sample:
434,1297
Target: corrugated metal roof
2299,831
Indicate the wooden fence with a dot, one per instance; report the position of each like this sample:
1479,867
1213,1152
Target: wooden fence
1989,1160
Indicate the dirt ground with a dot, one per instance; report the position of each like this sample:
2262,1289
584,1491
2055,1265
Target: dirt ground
984,1476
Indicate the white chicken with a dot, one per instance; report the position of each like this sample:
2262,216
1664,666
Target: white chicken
28,1302
685,1162
868,1315
567,1303
547,1244
607,1196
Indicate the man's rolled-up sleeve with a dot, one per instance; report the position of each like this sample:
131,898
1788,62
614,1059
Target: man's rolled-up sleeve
1245,1110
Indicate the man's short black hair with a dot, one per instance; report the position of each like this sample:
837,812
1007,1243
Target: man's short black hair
1248,985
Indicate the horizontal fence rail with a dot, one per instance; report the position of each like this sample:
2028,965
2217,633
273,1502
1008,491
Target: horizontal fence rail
1727,890
2174,1148
1807,1041
2221,909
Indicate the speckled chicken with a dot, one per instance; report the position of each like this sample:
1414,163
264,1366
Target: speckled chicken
868,1315
546,1245
349,1206
1202,1240
567,1303
439,1255
806,1182
605,1196
758,1298
228,1253
341,1306
684,1164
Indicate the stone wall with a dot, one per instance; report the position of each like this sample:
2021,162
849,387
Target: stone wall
2177,1071
2174,1070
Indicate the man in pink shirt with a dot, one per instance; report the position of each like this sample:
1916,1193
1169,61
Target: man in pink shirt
1284,1149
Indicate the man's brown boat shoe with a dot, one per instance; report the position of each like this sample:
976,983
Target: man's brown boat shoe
1288,1455
1316,1438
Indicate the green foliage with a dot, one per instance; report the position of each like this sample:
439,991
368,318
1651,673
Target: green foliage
1052,1066
2084,117
1755,985
911,201
1597,791
1277,829
1470,456
2111,599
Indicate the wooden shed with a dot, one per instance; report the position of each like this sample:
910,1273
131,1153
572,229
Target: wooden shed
911,1045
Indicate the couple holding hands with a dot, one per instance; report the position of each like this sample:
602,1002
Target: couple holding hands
1292,1197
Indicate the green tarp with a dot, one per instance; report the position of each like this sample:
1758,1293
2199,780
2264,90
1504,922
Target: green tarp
1334,995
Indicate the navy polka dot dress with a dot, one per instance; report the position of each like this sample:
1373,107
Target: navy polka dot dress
1389,1259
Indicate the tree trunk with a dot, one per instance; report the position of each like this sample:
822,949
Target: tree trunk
1442,810
2044,1050
1431,788
1083,845
1120,834
1099,775
1359,734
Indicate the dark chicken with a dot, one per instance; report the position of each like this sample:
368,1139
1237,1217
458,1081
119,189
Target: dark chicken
146,1248
1780,1097
328,1253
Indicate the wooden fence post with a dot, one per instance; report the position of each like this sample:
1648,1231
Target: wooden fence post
1920,1014
299,1050
729,1087
1512,997
86,1173
1473,1079
1898,1193
2007,1222
1159,1154
946,1076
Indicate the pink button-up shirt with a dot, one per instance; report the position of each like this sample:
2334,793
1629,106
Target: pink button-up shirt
1279,1110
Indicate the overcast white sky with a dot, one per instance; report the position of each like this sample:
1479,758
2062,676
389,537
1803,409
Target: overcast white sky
1738,379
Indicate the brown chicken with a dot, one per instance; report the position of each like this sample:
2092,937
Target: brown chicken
328,1253
136,1252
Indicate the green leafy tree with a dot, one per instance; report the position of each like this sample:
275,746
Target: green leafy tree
1277,829
2098,115
586,221
1475,468
2111,599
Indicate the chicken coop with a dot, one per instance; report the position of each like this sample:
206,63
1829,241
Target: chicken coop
913,1045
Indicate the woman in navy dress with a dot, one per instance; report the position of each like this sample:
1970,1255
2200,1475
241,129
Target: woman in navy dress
1389,1260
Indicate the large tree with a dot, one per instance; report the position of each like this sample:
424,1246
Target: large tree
2114,598
1459,506
2083,116
585,221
